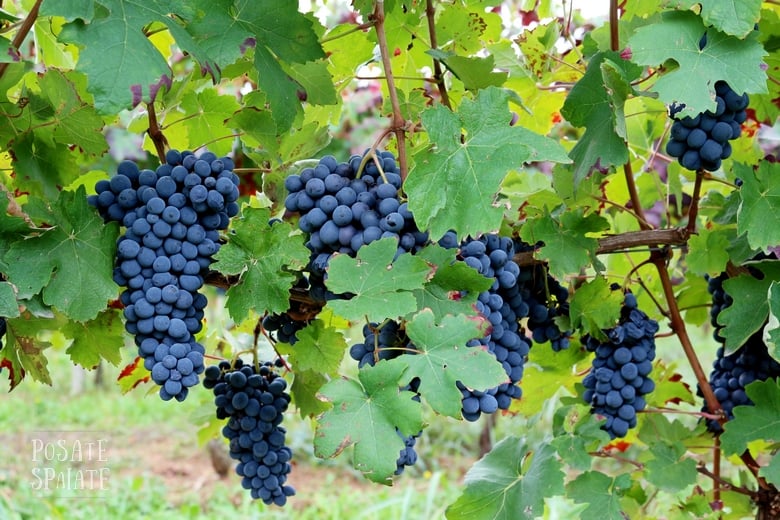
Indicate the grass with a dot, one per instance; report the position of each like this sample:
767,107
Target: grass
158,469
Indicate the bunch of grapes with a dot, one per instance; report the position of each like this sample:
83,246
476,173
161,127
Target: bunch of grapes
619,377
254,402
388,341
172,217
732,373
285,326
701,142
503,305
344,206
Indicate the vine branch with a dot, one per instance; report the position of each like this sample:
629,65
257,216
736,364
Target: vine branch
155,134
438,75
398,123
24,30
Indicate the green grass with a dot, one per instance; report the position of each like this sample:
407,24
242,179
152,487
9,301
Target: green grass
149,441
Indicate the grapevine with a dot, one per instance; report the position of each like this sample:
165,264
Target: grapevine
438,202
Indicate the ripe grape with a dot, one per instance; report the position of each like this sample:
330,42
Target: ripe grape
702,141
253,402
619,376
171,234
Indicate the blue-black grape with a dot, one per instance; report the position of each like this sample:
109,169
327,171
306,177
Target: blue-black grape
388,341
254,402
503,306
619,377
701,142
171,233
732,373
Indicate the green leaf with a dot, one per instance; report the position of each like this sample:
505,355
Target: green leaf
760,193
43,167
596,102
319,349
304,390
676,37
210,111
8,306
473,151
444,359
735,17
602,494
750,308
577,433
546,372
316,82
771,472
708,251
443,294
264,257
753,422
72,263
594,306
382,287
668,470
24,350
567,246
101,338
365,414
509,483
475,72
772,328
280,88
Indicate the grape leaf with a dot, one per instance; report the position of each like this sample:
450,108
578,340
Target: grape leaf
667,469
42,167
304,389
602,494
8,306
753,422
596,102
708,251
443,293
475,72
209,112
760,195
577,433
264,257
443,359
509,483
12,228
676,37
594,306
100,338
366,413
546,373
735,17
382,287
772,328
132,375
72,263
24,350
473,151
319,348
567,246
750,309
771,472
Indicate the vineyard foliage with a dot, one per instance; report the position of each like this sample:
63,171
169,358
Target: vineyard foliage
517,119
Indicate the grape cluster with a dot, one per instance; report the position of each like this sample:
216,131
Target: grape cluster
254,402
701,142
172,217
547,299
344,206
732,373
503,305
285,326
389,341
619,377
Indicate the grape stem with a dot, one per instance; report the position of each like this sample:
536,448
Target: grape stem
155,134
693,211
608,455
438,75
721,483
24,30
398,123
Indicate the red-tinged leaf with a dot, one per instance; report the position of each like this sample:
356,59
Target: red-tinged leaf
6,363
133,375
619,445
